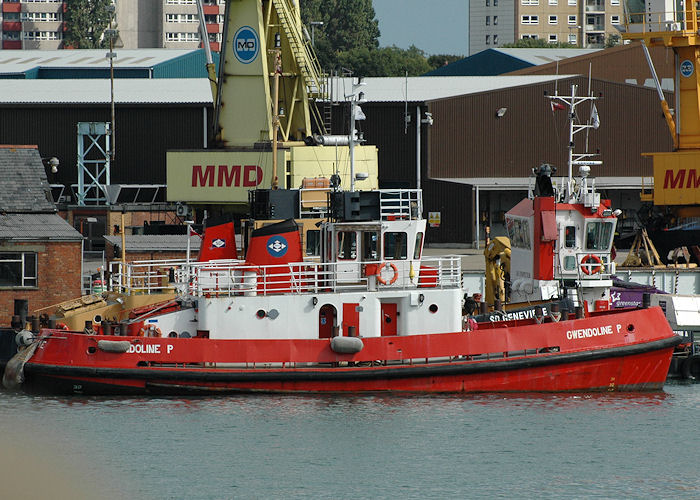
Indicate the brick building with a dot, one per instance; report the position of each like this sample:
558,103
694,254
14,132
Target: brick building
40,253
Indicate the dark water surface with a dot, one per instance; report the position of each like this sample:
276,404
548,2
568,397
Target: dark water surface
416,446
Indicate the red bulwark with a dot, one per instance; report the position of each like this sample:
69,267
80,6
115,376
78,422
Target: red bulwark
545,234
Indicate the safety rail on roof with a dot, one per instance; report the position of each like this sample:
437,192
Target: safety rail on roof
673,22
231,278
400,203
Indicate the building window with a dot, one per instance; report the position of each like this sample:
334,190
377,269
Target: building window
495,39
571,2
213,18
553,38
531,37
181,18
182,37
614,19
179,2
38,17
572,39
487,3
488,39
495,20
529,19
11,17
552,19
614,2
495,3
42,35
488,20
553,2
572,19
10,35
18,269
529,2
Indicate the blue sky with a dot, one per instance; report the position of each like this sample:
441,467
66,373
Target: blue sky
434,26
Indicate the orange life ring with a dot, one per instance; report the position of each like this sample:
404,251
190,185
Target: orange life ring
392,280
61,326
591,264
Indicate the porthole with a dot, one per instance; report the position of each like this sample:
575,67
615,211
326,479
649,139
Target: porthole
260,314
433,308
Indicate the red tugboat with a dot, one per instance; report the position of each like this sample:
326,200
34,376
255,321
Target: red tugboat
372,315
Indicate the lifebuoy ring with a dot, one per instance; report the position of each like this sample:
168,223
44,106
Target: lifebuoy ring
591,264
392,280
61,326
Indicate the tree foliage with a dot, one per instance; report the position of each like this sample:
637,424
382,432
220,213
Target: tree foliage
438,60
348,40
387,61
537,43
86,22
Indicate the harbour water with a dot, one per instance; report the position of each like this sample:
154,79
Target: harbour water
370,446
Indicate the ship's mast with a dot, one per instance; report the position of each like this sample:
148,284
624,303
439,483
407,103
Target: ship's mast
578,159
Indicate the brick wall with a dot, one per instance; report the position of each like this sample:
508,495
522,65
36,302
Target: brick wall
58,267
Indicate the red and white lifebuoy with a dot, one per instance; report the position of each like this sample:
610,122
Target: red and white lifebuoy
381,280
591,264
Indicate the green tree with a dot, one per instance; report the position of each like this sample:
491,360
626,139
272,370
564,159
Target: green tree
86,22
537,43
387,61
439,60
347,25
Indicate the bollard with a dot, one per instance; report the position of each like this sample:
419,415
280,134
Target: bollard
35,324
52,323
554,309
579,312
483,308
352,331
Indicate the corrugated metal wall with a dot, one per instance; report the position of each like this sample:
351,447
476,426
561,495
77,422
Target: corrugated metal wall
143,135
468,140
615,64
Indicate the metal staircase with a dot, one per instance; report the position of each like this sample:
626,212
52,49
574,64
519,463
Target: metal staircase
309,67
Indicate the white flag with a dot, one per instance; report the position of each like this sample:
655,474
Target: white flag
595,120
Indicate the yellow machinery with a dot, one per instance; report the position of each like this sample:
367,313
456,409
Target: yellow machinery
497,256
677,173
268,80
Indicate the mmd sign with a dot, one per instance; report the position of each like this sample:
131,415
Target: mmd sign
218,176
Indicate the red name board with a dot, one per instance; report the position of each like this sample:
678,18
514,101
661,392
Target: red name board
226,176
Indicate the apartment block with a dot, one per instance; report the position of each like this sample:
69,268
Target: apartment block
582,23
40,24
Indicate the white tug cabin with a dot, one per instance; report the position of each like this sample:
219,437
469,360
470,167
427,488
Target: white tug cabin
562,249
371,279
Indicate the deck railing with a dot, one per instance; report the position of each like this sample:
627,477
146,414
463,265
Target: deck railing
231,278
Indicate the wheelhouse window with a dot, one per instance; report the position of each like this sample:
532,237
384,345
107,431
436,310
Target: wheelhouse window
347,245
419,245
369,245
570,237
519,233
599,235
18,269
313,242
395,246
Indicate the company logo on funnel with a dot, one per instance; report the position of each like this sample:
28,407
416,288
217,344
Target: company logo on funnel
246,44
